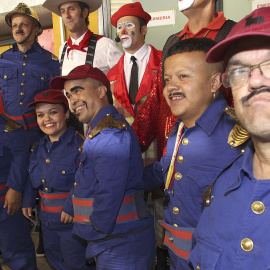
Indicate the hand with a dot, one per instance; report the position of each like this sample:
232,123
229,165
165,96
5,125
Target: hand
27,212
86,220
66,218
13,201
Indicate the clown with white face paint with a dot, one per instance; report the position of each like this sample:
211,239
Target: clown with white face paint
126,40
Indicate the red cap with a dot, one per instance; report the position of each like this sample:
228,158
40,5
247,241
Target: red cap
132,9
50,96
255,24
80,72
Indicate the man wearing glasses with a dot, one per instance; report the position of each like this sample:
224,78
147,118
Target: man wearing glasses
233,232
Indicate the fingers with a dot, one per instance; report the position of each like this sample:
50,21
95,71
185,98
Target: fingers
66,218
27,212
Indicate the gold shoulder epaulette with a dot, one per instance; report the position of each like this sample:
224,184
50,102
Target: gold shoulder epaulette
238,134
207,196
33,147
81,145
11,125
107,122
54,57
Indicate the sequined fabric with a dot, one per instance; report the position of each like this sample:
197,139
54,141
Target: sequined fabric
154,119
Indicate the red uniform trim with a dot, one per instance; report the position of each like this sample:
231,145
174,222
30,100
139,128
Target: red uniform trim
177,233
179,252
2,186
127,217
82,202
53,196
50,208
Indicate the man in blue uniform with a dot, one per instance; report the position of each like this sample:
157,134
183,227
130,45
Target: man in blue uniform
25,69
108,201
16,245
198,147
233,232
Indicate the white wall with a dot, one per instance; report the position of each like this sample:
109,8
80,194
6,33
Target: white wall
8,5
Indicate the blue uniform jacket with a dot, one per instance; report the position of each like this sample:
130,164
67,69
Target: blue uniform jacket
233,232
14,158
24,75
111,167
52,170
202,154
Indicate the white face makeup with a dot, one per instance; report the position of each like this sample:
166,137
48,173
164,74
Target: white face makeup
125,25
126,41
185,4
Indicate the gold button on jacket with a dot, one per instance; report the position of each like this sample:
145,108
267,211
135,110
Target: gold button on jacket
185,141
178,176
258,207
48,160
176,210
180,159
247,244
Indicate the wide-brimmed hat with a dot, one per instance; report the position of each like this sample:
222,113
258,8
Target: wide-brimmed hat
50,96
253,25
53,5
80,72
23,9
132,9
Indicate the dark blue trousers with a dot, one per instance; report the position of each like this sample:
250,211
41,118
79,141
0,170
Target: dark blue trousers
134,251
16,244
65,250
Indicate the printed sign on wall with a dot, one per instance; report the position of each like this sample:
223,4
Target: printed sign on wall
159,18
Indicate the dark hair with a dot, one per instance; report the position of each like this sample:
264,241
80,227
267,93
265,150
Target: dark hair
73,121
142,23
83,6
191,45
96,84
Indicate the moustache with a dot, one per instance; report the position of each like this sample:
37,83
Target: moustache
254,93
176,94
19,32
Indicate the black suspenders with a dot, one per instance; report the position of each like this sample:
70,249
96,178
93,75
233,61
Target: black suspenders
90,51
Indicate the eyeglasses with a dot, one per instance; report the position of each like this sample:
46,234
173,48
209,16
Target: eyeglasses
240,76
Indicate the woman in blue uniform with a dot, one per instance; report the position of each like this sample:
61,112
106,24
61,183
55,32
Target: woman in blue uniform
53,163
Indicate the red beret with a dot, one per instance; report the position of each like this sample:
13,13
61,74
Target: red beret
132,9
49,96
254,25
80,72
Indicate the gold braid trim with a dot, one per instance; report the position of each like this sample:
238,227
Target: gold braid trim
238,134
11,125
83,137
107,122
54,57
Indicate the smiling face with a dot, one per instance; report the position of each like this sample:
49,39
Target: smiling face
252,99
24,30
130,33
51,119
73,17
189,85
86,99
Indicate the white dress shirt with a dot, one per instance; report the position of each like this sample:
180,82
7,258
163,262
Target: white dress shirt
107,54
142,56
